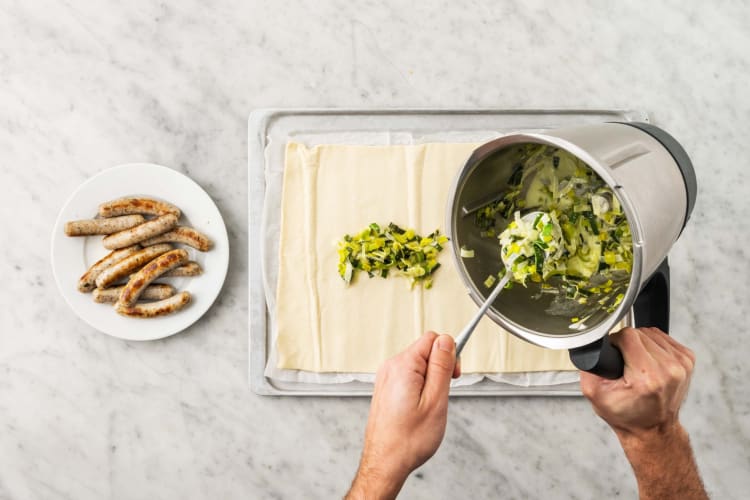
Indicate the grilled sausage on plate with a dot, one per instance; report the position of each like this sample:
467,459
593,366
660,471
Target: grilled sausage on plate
87,282
155,291
142,232
102,226
140,280
136,205
183,234
185,270
153,309
130,264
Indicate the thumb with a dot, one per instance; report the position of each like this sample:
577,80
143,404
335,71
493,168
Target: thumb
593,386
440,367
589,384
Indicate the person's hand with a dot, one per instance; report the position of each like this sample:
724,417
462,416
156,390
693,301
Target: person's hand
652,388
642,408
408,415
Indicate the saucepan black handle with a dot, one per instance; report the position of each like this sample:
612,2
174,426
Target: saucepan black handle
651,308
600,358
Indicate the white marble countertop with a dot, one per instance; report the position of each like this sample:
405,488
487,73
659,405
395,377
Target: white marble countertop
86,85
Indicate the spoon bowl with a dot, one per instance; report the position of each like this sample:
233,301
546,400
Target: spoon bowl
465,334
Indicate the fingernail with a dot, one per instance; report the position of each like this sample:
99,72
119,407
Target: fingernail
444,345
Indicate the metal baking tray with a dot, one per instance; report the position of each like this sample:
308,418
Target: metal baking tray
277,126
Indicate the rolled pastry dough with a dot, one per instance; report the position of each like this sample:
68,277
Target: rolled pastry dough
325,326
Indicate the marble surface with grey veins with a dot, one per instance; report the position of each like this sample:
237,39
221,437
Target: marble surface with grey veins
89,85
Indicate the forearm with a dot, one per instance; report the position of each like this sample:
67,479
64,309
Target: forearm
372,482
664,466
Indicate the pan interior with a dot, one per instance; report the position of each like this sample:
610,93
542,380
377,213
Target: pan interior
526,307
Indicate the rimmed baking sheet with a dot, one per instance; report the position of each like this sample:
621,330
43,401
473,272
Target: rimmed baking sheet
268,132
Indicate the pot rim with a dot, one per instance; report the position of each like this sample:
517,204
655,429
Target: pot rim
552,341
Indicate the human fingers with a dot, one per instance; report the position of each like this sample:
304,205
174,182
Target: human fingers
412,360
457,368
590,384
671,352
414,357
634,347
634,353
675,368
661,339
422,346
656,347
686,356
440,368
682,348
677,345
665,380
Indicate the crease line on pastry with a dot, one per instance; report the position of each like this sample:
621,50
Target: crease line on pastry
414,161
419,174
310,162
505,345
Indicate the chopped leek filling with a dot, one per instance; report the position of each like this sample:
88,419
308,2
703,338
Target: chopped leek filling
531,249
583,239
467,253
390,250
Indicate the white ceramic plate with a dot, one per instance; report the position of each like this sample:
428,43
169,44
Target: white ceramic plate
71,257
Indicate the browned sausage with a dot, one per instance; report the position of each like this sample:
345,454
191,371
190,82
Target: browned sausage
149,273
185,270
183,234
135,205
156,291
153,309
130,264
142,232
102,226
87,282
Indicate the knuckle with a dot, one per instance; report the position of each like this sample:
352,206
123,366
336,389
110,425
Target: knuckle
651,384
654,382
688,363
627,335
676,372
628,332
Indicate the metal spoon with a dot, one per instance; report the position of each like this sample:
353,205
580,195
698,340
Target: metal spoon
464,335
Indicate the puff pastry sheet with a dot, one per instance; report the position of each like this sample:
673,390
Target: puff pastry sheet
325,326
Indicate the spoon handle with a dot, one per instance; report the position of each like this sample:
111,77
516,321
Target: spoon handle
463,337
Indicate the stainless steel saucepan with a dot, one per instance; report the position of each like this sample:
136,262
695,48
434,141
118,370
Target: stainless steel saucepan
654,181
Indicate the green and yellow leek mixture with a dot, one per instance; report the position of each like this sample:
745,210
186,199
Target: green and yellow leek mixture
582,240
390,251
